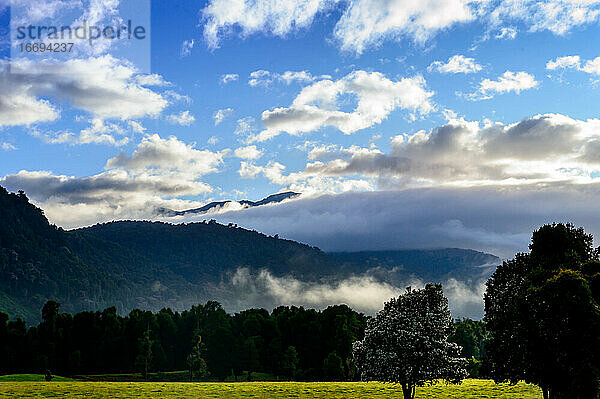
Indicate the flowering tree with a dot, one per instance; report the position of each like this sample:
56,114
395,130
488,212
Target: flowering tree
407,342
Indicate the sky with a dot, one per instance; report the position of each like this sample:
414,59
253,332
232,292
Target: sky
438,123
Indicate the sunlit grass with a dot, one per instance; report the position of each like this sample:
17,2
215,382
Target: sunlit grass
468,389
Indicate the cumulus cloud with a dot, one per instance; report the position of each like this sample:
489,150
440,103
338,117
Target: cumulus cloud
158,173
160,155
317,106
103,86
571,61
221,114
456,64
540,149
265,78
302,181
184,118
249,152
506,83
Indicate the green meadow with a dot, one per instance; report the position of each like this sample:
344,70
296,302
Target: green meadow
469,389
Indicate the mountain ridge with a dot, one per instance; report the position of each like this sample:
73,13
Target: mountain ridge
216,205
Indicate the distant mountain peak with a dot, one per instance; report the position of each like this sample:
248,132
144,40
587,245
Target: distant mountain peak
216,205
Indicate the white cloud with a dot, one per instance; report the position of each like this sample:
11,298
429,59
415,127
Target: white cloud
265,78
507,33
152,80
186,47
229,77
136,126
592,66
221,114
7,146
574,62
157,154
571,61
316,105
506,83
304,181
364,292
184,118
157,174
367,23
174,97
556,16
249,152
364,23
99,132
543,149
21,108
277,17
456,64
245,126
212,140
103,86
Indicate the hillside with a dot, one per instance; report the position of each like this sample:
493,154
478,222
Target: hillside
152,265
201,252
128,264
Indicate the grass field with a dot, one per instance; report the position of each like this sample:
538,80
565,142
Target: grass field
470,389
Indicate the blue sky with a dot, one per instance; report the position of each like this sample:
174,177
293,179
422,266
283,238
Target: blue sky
359,101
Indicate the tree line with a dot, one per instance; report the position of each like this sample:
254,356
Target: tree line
290,342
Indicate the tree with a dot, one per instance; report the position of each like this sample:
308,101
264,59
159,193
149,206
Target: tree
289,362
543,315
407,342
144,353
470,335
249,355
333,370
196,363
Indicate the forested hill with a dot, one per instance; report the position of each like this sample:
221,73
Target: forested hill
129,264
202,252
151,265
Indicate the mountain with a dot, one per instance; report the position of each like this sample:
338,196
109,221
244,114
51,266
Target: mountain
129,264
215,206
151,265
